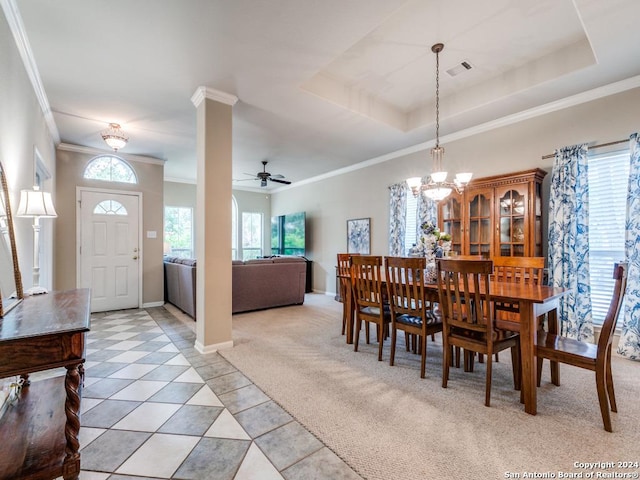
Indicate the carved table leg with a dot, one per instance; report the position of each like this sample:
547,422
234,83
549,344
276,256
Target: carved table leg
71,468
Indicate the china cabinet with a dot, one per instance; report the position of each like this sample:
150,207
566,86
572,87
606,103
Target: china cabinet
496,216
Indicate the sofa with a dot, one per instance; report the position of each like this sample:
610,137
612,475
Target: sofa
268,282
256,284
180,284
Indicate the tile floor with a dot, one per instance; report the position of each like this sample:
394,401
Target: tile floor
153,407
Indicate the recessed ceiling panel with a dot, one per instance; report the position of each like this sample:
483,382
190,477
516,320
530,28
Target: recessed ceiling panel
389,75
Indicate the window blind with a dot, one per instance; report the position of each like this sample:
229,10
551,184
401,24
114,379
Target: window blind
411,223
608,184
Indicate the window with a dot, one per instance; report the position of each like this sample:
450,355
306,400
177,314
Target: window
110,169
608,178
251,235
234,228
178,231
110,207
411,223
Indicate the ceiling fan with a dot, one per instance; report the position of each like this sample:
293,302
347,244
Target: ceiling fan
263,176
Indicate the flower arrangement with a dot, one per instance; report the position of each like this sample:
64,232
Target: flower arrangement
432,242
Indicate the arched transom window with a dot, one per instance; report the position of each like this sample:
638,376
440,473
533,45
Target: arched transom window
109,168
110,207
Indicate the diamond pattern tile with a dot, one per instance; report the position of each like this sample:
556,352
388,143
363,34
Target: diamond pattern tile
154,408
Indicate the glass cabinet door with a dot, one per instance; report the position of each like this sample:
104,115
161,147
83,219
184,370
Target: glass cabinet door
451,216
512,226
538,220
480,220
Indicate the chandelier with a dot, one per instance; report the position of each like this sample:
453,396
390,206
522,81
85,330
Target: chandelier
438,188
115,137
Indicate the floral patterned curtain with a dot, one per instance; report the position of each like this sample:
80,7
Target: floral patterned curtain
630,337
569,240
427,209
397,218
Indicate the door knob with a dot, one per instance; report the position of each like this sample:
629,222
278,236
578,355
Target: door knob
135,257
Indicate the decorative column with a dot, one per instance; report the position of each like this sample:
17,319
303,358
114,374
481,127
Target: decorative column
213,219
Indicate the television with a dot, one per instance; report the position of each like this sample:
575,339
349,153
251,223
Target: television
288,234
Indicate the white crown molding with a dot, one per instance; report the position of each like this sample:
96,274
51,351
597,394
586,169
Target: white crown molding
68,147
212,94
16,26
584,97
578,99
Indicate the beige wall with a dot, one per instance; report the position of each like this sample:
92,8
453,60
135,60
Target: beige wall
364,193
22,130
71,165
179,194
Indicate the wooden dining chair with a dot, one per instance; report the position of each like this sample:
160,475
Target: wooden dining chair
468,316
344,283
523,270
411,312
594,357
366,281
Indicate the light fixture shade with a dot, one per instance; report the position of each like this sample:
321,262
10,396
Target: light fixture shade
463,178
414,182
115,137
438,193
439,177
34,203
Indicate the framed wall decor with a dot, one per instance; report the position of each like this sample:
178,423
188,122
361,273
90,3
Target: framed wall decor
359,236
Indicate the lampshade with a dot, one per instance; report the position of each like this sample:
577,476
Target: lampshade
34,203
115,137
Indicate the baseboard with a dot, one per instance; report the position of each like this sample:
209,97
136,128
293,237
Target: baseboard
153,304
212,348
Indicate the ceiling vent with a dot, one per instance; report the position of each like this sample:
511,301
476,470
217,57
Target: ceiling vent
458,69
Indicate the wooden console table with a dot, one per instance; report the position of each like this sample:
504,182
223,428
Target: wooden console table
39,433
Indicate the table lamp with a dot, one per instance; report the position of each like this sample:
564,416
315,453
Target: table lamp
36,204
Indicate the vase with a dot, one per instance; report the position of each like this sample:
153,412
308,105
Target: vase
430,268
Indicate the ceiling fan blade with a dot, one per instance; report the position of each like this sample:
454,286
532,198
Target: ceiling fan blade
244,179
277,175
285,182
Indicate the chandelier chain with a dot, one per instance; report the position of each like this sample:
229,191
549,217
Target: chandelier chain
437,99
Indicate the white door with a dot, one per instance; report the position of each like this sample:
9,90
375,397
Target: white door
109,250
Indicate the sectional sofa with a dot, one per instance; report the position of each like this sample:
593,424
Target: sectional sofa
256,284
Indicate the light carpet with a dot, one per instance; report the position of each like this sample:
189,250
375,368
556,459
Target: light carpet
387,423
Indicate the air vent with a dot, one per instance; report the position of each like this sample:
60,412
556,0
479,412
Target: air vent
458,69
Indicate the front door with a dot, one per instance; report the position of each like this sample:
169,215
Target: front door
109,249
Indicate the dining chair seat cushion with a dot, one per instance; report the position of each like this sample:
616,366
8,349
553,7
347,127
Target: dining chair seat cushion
567,347
375,311
417,321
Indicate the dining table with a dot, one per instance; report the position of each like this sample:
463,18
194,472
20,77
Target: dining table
534,301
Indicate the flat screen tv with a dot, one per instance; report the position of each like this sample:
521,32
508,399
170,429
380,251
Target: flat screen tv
288,234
